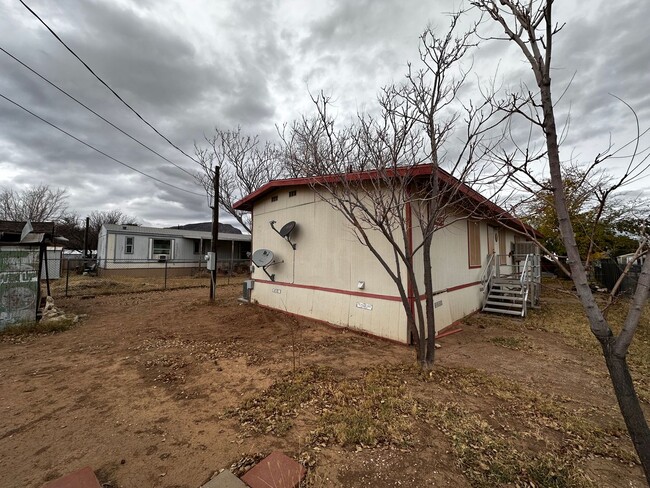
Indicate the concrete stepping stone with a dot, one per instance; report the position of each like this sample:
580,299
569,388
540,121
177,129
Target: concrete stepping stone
225,479
275,471
84,478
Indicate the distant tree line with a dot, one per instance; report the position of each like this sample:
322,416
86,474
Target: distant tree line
41,203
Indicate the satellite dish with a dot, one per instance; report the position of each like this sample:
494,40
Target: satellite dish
287,228
262,258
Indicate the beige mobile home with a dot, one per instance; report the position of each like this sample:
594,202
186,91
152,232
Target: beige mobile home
322,271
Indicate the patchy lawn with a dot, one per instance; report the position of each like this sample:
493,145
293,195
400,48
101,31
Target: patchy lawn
163,389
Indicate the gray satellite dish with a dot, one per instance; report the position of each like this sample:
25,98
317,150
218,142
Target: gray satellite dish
287,228
262,258
285,231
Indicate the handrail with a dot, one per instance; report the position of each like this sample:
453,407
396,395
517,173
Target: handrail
524,271
524,281
486,276
487,270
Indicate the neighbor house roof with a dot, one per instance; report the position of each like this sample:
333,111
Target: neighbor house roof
11,231
188,234
422,170
13,227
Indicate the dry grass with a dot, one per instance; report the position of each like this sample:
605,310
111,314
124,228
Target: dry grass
526,438
490,458
41,327
113,285
372,410
514,343
560,313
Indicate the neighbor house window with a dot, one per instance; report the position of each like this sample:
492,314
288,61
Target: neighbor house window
162,246
197,246
128,247
274,198
474,243
292,193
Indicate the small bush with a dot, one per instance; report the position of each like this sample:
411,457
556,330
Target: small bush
40,327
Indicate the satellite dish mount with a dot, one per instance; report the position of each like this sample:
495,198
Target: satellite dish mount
263,258
285,231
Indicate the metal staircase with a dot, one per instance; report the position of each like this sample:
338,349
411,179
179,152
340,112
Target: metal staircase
511,289
505,296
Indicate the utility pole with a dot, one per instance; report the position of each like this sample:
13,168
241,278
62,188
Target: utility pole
215,232
86,237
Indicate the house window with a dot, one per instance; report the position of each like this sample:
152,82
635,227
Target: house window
128,247
274,198
292,193
474,243
207,245
197,246
162,246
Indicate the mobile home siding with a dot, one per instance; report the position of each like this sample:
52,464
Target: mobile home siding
317,279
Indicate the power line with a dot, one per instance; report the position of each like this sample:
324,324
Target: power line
95,149
105,84
91,110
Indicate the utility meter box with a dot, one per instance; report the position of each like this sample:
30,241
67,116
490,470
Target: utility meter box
211,258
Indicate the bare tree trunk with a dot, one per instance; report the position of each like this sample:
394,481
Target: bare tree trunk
629,404
626,396
431,321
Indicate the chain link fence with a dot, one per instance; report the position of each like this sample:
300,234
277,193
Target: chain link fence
607,272
83,277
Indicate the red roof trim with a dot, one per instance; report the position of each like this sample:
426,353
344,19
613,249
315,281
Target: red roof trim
247,202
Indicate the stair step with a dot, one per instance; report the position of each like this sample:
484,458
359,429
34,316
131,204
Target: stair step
505,304
506,296
505,293
501,310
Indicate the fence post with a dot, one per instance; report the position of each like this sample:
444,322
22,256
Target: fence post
165,287
67,276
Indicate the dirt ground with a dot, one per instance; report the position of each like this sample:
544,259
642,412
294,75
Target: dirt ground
144,388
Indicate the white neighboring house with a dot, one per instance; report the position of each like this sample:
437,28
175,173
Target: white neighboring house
142,251
624,259
331,276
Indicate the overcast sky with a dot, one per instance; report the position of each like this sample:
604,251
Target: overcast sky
188,66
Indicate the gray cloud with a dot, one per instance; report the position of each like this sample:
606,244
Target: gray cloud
190,67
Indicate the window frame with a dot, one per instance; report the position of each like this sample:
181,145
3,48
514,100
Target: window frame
127,244
167,252
503,252
474,232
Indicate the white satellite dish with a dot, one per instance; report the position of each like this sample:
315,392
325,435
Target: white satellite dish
262,257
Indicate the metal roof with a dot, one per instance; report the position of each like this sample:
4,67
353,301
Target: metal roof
423,170
187,234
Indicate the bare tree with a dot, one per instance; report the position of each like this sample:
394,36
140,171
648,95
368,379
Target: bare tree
383,174
245,165
531,27
37,203
101,217
72,226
